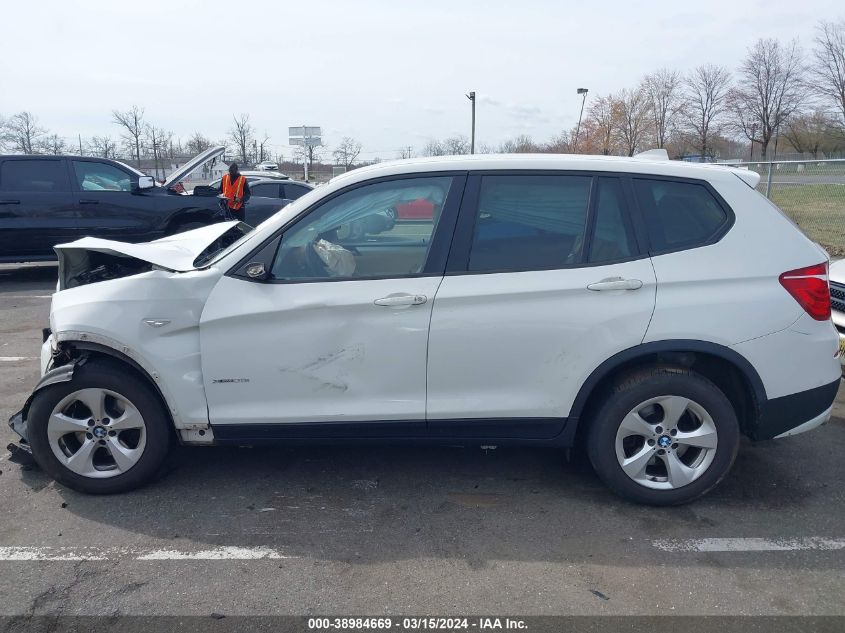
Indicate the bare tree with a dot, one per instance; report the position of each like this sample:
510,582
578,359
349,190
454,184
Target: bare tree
54,144
663,89
197,143
563,143
522,144
434,148
242,135
812,133
347,151
103,146
23,134
705,100
406,152
263,150
631,110
769,89
601,114
157,141
828,68
132,122
456,145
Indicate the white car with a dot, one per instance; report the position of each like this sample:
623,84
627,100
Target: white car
837,300
633,308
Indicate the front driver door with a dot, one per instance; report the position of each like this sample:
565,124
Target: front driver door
335,339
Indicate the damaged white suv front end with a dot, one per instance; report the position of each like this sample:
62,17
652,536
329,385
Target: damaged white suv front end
140,303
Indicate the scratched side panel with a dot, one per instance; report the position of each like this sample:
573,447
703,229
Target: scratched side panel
311,352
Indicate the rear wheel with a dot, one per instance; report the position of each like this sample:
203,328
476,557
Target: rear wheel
104,431
664,436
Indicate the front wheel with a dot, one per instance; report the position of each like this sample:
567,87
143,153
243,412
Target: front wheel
104,431
664,436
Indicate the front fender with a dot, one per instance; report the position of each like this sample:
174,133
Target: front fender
56,375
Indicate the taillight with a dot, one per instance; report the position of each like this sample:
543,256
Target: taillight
810,289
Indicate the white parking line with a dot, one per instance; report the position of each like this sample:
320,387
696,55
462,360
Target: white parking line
749,544
28,553
15,359
27,296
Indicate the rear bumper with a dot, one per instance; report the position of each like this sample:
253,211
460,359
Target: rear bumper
795,413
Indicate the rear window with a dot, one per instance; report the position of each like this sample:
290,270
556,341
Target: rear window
43,176
679,214
293,192
265,191
529,222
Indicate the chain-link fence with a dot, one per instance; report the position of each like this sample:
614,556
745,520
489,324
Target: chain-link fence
811,192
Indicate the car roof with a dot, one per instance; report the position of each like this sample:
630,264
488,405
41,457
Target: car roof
648,164
280,181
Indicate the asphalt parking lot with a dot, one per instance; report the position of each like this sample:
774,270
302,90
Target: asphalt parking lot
373,530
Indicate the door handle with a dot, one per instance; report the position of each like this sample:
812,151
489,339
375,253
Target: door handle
616,283
89,202
10,201
401,299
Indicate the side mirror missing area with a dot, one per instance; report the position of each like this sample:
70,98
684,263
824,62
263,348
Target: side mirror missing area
256,270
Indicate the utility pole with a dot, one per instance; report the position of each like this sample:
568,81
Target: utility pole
753,132
80,145
580,91
471,97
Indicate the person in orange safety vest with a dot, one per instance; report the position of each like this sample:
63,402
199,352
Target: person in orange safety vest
235,189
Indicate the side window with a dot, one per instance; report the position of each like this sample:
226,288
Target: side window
357,234
292,192
678,214
43,176
265,191
612,234
529,222
92,176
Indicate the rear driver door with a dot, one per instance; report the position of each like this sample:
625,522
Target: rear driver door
546,281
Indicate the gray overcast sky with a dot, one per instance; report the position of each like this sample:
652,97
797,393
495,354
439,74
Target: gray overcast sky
389,73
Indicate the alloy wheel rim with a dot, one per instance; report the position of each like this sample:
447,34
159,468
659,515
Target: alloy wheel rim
667,442
97,433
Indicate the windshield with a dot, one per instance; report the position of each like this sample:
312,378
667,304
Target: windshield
265,229
130,168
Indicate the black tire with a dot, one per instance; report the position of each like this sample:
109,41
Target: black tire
638,387
114,376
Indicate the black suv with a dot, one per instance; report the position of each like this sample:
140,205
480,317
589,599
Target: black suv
49,200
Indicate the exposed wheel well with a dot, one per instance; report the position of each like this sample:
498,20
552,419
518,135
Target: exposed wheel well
725,374
70,350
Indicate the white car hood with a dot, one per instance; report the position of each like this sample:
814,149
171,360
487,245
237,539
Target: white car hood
175,252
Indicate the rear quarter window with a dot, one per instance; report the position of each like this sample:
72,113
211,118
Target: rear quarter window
35,176
679,215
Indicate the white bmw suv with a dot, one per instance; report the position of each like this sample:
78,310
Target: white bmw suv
635,308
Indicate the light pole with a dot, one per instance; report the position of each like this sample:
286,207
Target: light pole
471,97
581,91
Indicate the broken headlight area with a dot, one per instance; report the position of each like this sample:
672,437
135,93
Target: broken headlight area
91,267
